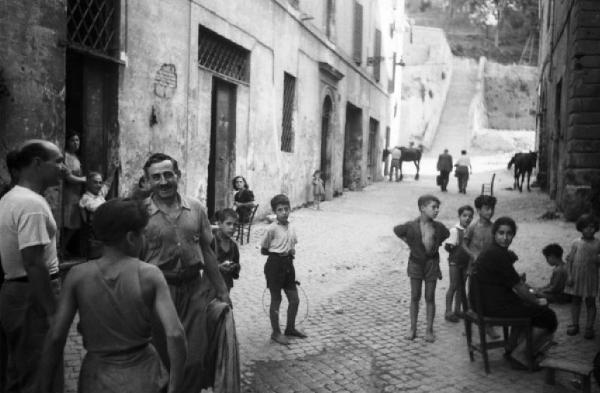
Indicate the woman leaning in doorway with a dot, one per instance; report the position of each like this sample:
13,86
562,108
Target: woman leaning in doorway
73,184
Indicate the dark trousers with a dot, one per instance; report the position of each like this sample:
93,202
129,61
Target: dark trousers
444,178
25,326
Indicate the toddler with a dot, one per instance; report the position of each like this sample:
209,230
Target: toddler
318,189
554,290
582,284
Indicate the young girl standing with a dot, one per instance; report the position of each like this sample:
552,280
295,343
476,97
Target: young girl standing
582,265
318,189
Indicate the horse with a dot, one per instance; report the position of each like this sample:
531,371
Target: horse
524,163
411,154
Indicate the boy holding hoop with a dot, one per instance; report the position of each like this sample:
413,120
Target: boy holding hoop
279,244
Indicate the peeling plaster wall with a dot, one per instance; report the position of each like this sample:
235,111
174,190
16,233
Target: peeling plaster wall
33,67
166,33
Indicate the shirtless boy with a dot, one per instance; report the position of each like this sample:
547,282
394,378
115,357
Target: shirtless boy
424,236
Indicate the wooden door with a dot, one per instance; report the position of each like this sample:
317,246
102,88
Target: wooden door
221,166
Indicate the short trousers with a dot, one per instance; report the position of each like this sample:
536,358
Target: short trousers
280,272
428,270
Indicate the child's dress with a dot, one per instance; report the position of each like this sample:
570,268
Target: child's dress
583,260
318,189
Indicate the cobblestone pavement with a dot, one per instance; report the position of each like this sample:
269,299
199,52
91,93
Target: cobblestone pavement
354,294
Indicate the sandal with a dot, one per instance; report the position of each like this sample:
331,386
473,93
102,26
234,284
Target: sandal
450,317
589,334
572,330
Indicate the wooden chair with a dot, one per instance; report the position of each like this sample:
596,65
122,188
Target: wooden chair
472,316
488,188
245,227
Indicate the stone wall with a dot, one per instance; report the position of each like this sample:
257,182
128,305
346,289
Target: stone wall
32,84
425,82
569,131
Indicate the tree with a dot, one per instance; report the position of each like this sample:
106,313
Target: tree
489,13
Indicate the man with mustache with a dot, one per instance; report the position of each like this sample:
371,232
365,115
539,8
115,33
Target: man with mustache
178,238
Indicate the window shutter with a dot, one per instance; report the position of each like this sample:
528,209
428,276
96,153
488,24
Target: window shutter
377,62
358,32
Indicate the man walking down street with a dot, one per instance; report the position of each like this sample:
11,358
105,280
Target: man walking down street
396,156
30,264
444,166
178,238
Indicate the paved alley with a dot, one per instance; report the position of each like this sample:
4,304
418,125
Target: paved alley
354,300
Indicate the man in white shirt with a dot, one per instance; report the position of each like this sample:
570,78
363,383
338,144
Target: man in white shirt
30,263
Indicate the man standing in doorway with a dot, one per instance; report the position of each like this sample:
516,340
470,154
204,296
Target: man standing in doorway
444,165
178,238
30,264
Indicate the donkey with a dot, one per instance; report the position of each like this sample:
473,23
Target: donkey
524,164
411,154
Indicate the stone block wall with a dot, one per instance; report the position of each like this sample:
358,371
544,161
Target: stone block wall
569,132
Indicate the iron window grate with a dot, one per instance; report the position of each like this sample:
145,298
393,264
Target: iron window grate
287,132
92,24
218,54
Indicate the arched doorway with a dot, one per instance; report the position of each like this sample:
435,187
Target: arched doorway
326,119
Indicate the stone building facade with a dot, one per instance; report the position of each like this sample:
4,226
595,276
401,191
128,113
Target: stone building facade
568,126
268,89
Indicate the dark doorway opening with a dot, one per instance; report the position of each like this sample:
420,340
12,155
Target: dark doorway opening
326,148
91,110
221,164
373,150
386,161
353,141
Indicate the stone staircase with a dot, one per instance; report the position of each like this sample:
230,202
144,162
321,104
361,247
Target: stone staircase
454,132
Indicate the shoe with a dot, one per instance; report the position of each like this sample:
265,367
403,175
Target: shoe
491,332
295,333
459,314
572,330
280,338
450,317
589,334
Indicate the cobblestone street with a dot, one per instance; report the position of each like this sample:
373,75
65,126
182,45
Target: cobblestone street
354,300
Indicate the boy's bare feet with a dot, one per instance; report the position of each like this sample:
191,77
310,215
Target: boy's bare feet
450,317
411,335
429,337
295,333
279,338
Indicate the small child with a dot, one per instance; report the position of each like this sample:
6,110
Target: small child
582,265
458,261
318,189
279,244
554,291
226,249
424,236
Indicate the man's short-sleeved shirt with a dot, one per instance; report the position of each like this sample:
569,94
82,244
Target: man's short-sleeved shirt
173,244
25,221
280,238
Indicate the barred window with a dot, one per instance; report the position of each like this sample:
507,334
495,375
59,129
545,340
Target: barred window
92,25
222,56
358,33
287,132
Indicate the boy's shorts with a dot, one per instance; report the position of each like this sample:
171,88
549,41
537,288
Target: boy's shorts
428,270
280,272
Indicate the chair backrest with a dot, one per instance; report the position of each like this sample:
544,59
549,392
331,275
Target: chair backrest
252,213
475,294
488,188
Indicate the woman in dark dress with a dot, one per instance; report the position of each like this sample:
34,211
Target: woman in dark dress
504,295
243,198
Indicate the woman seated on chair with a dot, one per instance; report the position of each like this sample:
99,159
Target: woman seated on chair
243,198
504,295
